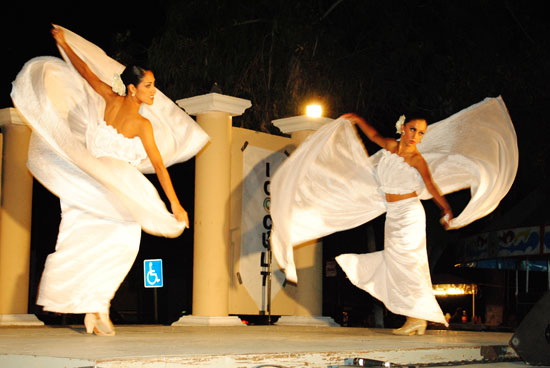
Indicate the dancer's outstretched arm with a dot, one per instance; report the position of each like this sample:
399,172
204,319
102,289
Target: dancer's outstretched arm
371,133
102,88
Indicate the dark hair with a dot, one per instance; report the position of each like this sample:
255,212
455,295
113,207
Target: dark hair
414,118
133,74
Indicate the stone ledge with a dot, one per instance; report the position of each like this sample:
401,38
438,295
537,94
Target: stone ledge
20,320
208,321
306,321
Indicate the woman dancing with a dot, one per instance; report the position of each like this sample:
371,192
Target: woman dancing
91,141
402,281
329,184
136,87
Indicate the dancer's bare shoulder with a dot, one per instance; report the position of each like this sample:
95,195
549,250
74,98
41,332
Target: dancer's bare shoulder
138,126
419,163
391,144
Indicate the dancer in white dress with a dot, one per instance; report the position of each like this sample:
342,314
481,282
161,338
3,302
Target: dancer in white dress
91,141
329,184
401,171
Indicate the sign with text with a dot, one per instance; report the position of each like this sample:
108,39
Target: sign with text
259,165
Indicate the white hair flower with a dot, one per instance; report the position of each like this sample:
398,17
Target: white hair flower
118,85
400,123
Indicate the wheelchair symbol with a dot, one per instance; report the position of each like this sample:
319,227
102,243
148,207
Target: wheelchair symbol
152,277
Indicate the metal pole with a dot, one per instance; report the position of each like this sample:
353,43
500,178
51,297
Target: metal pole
156,311
474,306
269,258
517,286
527,276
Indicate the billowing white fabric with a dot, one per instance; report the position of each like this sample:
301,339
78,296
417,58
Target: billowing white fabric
399,276
326,185
106,201
329,183
60,105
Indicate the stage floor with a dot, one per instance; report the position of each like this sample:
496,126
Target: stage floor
247,347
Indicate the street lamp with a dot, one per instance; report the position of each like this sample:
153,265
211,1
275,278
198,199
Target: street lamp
303,125
314,111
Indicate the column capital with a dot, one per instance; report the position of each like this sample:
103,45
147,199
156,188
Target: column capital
214,102
300,123
10,115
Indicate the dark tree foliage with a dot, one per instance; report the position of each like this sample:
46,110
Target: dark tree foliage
424,58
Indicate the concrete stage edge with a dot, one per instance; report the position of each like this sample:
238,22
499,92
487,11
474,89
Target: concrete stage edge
252,346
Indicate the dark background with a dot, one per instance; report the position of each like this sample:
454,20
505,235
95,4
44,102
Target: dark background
380,59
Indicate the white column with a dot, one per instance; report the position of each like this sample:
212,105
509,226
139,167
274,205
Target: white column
211,278
15,222
309,256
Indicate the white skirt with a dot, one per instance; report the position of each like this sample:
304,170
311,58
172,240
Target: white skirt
92,257
399,276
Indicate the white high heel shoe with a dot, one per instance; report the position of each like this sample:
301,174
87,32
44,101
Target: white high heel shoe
99,323
411,327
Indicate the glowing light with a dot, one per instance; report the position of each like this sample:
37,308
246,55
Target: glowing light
454,289
444,290
314,111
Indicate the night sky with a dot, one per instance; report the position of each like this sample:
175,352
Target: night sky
26,29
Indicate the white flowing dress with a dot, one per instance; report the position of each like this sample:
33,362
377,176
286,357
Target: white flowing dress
399,276
98,175
330,184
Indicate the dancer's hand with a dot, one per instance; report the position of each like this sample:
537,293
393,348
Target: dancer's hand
180,213
58,35
445,220
353,118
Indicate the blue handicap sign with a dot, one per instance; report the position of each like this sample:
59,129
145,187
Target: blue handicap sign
152,273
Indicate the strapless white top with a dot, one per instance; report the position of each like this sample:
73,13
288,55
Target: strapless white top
396,176
104,140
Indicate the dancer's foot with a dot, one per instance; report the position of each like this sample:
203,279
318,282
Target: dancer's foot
99,323
412,326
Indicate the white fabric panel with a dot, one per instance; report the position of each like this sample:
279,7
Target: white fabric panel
329,183
326,185
475,148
